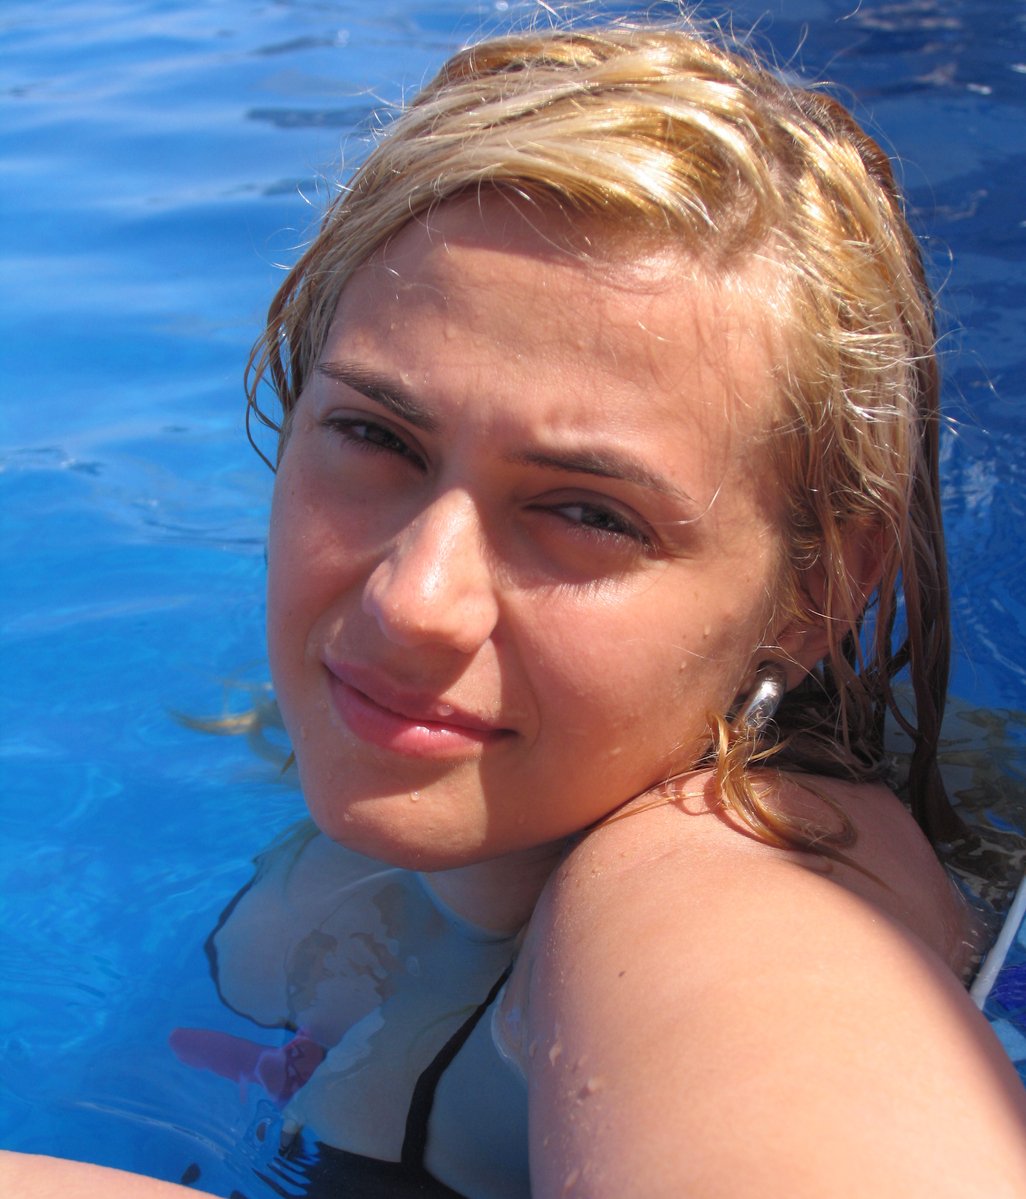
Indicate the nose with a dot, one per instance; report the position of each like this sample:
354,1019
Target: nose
436,585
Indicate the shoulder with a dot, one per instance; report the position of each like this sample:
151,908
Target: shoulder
704,1009
688,847
677,887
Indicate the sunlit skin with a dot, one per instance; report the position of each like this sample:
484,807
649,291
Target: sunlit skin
523,537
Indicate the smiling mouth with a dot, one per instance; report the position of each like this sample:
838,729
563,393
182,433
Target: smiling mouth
412,726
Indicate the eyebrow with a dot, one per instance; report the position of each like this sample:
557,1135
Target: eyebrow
604,464
376,387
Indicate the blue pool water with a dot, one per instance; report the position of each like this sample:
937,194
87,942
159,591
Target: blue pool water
160,159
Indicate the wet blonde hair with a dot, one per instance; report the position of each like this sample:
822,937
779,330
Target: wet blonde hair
663,132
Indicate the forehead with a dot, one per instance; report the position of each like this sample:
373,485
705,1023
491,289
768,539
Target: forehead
511,280
495,333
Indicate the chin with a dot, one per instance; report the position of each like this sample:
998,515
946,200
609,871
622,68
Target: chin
390,831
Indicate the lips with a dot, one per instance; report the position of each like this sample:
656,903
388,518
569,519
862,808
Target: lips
409,723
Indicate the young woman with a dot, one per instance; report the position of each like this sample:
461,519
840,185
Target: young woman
607,461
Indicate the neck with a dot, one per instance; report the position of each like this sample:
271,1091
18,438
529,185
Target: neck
498,895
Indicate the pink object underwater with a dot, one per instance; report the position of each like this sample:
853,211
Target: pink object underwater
281,1071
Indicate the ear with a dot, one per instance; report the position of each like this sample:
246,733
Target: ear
832,604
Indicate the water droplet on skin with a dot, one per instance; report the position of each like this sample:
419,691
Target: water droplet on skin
595,1083
532,1049
555,1053
445,710
414,796
571,1179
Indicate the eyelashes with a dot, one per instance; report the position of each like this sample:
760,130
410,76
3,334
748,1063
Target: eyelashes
598,519
372,437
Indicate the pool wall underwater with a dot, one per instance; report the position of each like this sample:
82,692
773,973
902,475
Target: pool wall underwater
161,160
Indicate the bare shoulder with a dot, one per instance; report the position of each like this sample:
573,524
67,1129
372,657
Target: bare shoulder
715,1016
690,844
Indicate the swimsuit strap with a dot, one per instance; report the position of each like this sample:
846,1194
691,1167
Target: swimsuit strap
423,1098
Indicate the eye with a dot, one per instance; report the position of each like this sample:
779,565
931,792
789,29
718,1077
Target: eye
372,437
598,520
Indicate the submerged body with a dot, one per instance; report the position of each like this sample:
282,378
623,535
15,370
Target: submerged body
404,998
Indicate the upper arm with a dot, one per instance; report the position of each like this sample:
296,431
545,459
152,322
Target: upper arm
29,1176
721,1020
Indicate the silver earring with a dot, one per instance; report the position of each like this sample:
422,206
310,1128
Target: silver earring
762,701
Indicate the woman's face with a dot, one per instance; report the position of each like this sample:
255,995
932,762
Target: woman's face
524,537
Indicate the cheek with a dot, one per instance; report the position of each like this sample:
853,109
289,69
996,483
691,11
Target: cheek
609,682
282,619
320,552
644,674
297,579
284,529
